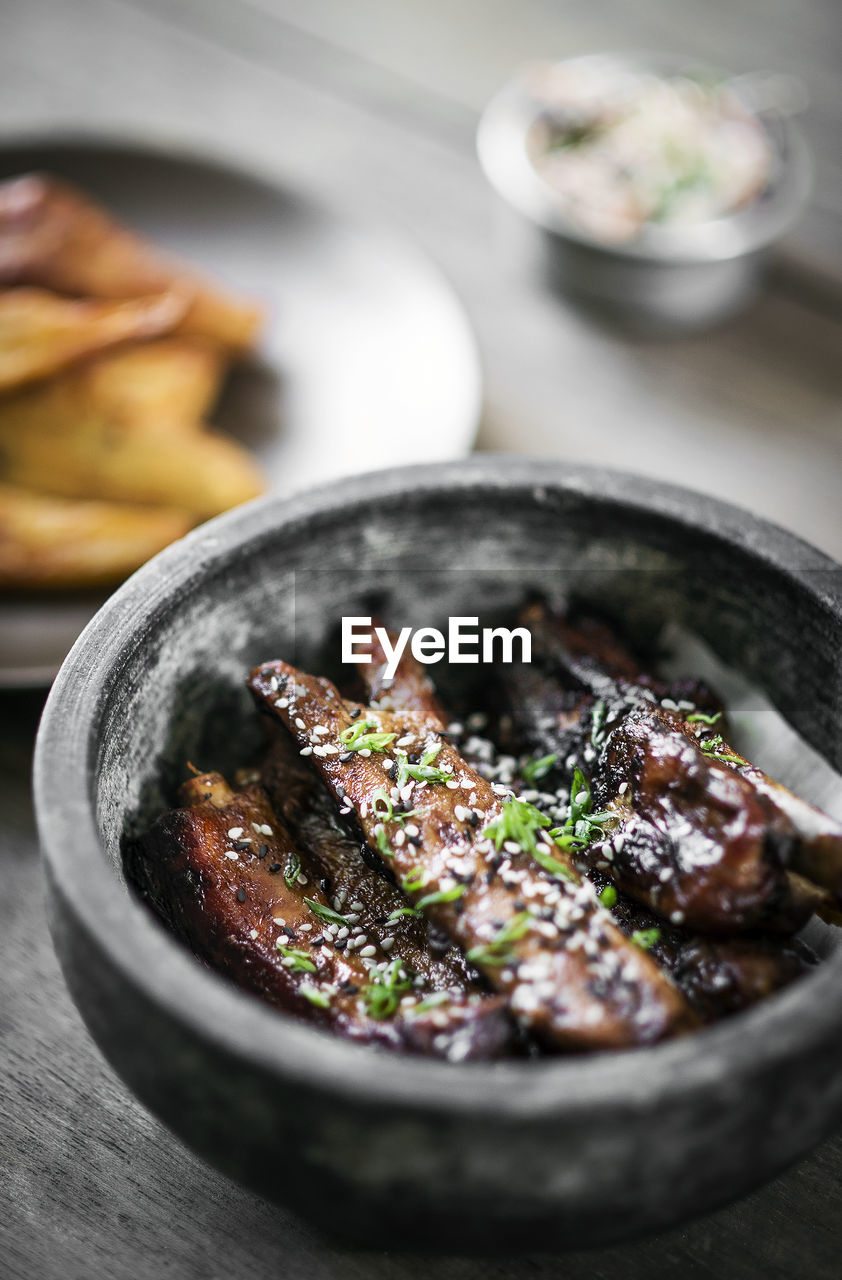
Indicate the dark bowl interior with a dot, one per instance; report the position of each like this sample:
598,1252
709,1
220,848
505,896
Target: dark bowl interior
386,1150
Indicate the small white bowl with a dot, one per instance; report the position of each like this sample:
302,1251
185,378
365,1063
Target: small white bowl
668,277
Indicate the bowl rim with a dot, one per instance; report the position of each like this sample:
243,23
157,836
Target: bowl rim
81,873
511,113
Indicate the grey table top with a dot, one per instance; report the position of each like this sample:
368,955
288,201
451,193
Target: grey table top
375,104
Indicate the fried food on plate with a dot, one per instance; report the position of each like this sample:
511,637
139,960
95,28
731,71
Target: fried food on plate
54,236
41,333
171,382
59,542
54,442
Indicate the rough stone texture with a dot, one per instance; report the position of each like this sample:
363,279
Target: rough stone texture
517,1155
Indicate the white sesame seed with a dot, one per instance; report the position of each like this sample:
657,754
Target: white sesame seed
282,703
343,932
299,723
368,951
623,788
306,751
677,917
411,829
234,833
405,740
306,927
319,730
232,854
452,785
301,878
400,838
387,943
279,920
253,933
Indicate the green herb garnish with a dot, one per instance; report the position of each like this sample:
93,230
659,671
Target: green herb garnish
415,879
519,821
716,748
608,897
402,911
534,770
582,826
358,737
325,913
293,870
424,770
302,962
645,938
551,864
442,895
319,998
598,714
499,950
383,994
433,1001
699,717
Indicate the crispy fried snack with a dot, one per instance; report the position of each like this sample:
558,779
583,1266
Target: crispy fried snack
161,385
52,235
41,333
50,542
51,440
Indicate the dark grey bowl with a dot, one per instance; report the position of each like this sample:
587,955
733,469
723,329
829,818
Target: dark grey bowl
387,1150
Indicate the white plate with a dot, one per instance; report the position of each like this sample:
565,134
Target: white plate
367,360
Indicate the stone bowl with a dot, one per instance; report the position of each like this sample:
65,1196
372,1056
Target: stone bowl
397,1151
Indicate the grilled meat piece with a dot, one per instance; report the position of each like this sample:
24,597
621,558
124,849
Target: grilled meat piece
818,850
349,873
542,940
719,976
226,876
588,655
690,838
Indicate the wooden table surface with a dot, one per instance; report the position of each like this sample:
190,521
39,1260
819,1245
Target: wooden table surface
374,104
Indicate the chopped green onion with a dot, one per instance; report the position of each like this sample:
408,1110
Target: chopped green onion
302,962
292,870
383,994
608,897
442,895
499,950
325,913
319,998
357,737
533,771
699,717
716,748
645,938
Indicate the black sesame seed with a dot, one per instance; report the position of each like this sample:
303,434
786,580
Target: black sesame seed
345,757
489,875
319,942
262,851
350,988
520,905
355,715
474,819
325,884
341,944
340,790
276,866
242,845
393,773
416,840
288,930
241,895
